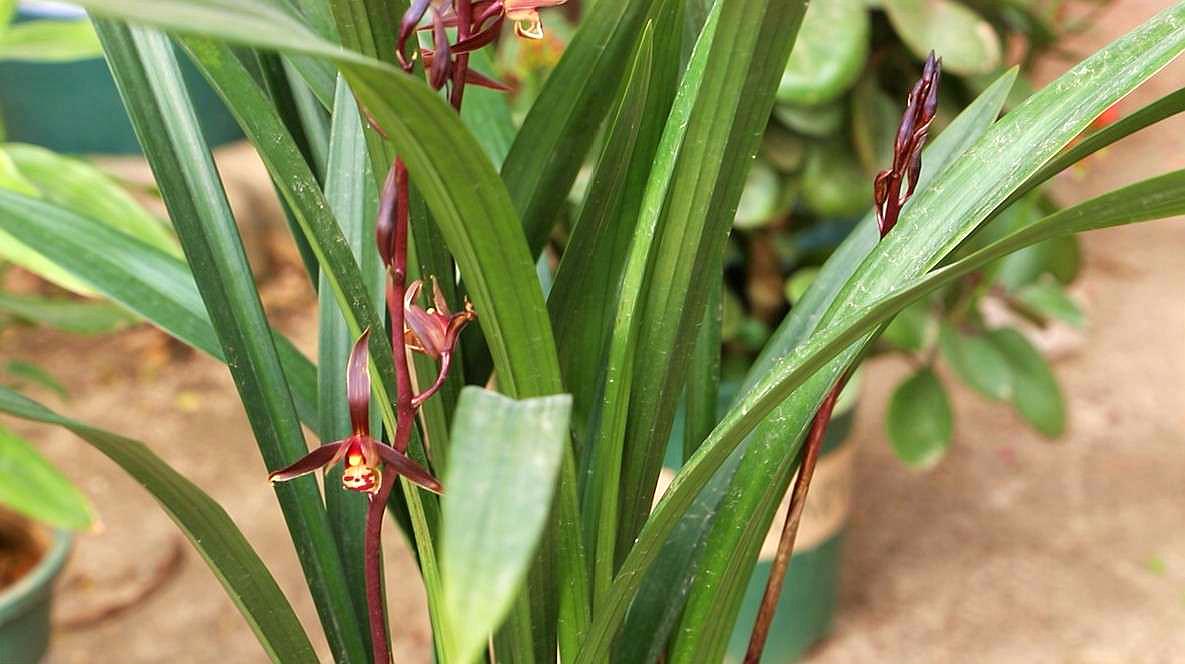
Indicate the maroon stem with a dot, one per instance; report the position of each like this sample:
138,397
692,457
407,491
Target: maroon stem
405,403
464,10
404,414
446,361
777,573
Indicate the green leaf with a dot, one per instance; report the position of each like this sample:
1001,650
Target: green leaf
149,80
350,191
30,484
761,200
829,53
819,121
967,43
911,329
703,383
141,278
49,41
76,185
12,179
833,183
487,113
1162,108
920,422
607,430
31,373
496,506
582,315
722,111
977,363
798,283
562,124
80,317
1035,395
232,560
875,117
1059,258
1048,298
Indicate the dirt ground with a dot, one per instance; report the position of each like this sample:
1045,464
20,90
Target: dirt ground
1012,549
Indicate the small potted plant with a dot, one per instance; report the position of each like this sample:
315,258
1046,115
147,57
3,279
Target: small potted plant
39,510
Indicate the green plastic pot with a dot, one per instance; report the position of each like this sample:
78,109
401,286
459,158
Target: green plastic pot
74,107
25,605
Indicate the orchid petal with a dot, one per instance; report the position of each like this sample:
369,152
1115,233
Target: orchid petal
411,18
413,471
321,457
438,300
479,39
358,385
384,229
438,74
481,80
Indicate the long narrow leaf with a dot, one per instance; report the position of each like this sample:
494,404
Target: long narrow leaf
562,124
149,80
232,560
143,279
583,299
607,440
353,199
742,68
1165,107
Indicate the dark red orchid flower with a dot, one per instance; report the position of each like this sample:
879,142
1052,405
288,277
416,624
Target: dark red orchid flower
362,455
920,109
478,23
433,331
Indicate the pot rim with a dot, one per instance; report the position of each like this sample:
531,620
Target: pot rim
15,598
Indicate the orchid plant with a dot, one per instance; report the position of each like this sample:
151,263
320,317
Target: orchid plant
531,355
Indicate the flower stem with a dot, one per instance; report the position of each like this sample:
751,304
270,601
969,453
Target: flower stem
395,195
395,202
464,9
777,573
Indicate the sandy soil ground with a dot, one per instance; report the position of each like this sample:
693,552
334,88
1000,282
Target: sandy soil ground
1013,549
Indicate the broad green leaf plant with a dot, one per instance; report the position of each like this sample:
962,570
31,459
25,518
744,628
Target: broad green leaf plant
517,429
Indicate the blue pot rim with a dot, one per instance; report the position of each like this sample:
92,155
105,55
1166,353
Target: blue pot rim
16,599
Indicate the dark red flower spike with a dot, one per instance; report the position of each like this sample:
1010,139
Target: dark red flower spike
392,202
407,27
442,64
362,455
921,106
